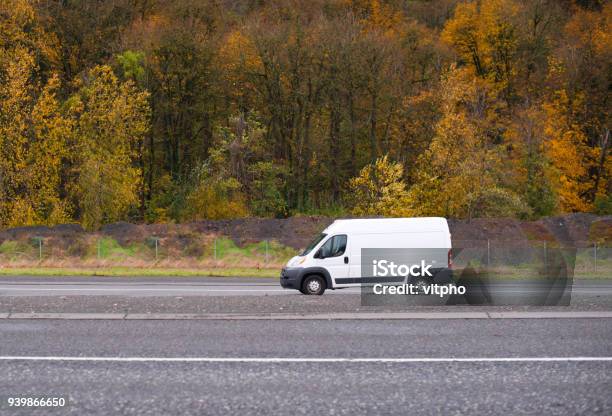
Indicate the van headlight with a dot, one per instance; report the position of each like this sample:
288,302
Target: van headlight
296,261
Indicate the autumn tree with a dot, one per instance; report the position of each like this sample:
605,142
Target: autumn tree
47,157
15,104
32,133
486,35
579,106
111,119
530,169
460,174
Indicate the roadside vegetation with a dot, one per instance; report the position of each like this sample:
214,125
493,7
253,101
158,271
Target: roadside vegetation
96,255
139,272
192,110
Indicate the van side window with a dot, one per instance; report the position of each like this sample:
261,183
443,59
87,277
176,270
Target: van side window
333,247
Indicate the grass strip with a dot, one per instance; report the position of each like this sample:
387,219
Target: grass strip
140,272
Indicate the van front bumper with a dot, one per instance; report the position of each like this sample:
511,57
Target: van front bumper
290,278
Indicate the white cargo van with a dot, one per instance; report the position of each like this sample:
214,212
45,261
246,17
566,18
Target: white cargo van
334,258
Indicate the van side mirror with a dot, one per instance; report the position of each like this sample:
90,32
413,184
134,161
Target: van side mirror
318,254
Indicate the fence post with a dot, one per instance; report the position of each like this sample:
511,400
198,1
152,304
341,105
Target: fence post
39,240
545,258
99,250
488,252
215,249
595,255
266,251
156,249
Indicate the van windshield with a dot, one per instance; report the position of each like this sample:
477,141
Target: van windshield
313,244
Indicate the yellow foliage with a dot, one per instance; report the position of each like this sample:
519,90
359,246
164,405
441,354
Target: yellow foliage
566,147
215,200
385,19
456,175
21,213
593,30
485,36
238,52
112,119
15,106
379,190
239,59
46,154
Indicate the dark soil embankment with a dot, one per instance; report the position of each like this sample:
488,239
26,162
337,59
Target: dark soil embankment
571,229
296,232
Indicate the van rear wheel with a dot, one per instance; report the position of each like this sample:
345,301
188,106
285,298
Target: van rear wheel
421,283
313,285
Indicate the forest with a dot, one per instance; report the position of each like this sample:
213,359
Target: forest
154,111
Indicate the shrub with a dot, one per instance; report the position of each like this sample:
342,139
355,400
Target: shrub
215,199
379,190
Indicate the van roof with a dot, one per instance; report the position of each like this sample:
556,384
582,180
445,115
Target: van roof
388,225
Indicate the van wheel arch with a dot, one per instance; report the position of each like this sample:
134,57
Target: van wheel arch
319,271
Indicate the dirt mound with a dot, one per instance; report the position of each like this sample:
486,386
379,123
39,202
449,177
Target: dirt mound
578,229
601,230
296,232
63,230
487,229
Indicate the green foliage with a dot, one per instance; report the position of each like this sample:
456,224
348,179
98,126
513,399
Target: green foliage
19,250
9,247
159,208
603,205
132,65
497,202
266,187
227,249
108,247
540,195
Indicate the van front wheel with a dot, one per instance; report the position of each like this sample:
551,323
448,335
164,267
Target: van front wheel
313,285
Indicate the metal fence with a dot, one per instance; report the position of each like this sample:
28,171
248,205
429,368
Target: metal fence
180,251
193,250
588,259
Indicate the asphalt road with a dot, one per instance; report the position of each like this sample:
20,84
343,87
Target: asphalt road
139,376
206,286
139,287
23,294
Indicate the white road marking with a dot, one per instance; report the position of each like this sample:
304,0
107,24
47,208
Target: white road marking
306,360
352,316
127,289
